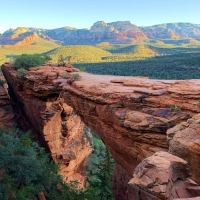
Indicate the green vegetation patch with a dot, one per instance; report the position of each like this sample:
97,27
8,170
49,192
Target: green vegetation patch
179,67
2,82
37,47
21,72
79,53
26,61
99,168
26,170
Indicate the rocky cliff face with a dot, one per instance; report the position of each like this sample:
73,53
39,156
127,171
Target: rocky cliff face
58,128
172,30
162,176
25,41
184,141
115,32
130,114
6,110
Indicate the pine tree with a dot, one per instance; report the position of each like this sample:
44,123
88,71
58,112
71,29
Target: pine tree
105,175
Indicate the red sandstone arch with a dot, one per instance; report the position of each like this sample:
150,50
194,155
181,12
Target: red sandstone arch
130,114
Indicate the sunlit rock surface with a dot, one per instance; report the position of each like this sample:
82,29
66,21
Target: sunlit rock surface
184,141
130,114
6,110
59,128
162,176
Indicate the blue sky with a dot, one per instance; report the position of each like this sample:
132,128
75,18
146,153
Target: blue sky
83,13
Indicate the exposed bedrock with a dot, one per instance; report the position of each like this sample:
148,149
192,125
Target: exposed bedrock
162,176
184,142
57,126
6,110
130,114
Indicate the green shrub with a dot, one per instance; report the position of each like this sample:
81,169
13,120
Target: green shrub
72,77
66,76
82,69
198,104
182,127
61,60
26,61
6,108
99,167
26,170
175,108
21,72
47,58
75,77
2,82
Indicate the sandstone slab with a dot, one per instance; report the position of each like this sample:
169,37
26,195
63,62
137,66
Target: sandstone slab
130,114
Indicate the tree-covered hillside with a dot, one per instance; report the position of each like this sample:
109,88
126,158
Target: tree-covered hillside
38,46
26,171
102,52
99,168
178,66
79,53
114,32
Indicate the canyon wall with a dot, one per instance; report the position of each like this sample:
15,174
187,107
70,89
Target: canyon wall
6,111
55,123
130,114
162,176
114,32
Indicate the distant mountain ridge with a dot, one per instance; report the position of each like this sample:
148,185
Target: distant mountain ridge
115,32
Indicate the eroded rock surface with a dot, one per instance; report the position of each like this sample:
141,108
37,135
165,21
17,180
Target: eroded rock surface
57,125
130,114
184,141
162,176
6,110
114,32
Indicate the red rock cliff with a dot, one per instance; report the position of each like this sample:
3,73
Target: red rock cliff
57,125
130,114
6,110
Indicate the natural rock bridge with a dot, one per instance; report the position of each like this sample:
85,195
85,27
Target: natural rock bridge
134,116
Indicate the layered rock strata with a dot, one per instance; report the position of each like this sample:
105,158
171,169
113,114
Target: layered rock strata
58,127
6,111
115,32
184,141
130,114
162,176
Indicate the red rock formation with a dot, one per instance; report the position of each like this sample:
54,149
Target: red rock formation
133,110
162,176
6,110
193,198
56,123
27,40
137,35
184,141
45,37
115,32
172,35
41,196
130,114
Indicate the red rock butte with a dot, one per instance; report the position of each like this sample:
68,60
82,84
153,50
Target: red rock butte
151,127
